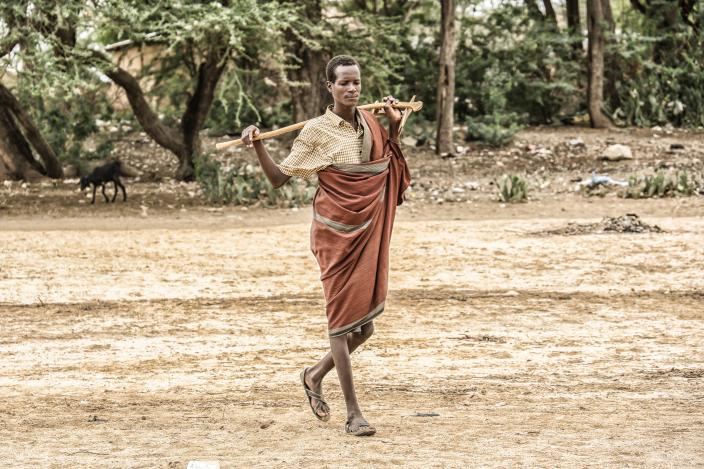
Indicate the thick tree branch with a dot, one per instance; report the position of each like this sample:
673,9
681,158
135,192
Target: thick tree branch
46,153
162,134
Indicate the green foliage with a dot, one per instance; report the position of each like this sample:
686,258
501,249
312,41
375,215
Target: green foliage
506,54
252,32
512,68
512,189
662,184
660,74
70,126
246,184
495,130
497,126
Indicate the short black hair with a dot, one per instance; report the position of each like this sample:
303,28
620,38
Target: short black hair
337,61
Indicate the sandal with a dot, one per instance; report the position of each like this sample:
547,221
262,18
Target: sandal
363,430
310,395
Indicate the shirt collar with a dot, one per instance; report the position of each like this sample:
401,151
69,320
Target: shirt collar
335,119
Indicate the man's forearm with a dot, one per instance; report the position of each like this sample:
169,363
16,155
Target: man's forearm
393,132
272,172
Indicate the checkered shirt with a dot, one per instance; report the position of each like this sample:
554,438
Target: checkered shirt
324,140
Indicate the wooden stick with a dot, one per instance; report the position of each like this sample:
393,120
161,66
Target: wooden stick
404,118
414,106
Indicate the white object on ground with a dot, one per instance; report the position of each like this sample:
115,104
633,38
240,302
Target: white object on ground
616,152
598,180
203,465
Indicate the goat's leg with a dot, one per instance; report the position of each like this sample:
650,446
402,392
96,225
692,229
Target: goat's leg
124,193
104,194
114,196
94,188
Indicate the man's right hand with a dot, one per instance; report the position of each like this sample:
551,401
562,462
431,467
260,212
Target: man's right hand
248,134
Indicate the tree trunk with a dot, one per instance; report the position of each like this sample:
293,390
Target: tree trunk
46,153
573,24
612,69
310,100
446,80
209,73
595,52
608,16
534,10
550,13
16,160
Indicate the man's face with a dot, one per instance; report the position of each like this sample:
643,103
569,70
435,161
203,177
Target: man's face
347,86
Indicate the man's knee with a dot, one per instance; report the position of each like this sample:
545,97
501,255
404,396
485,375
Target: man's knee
367,330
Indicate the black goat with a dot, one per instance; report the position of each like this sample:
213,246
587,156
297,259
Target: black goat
104,174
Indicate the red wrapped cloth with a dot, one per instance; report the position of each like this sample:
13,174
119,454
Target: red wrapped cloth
354,210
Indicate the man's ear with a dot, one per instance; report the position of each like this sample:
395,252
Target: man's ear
328,85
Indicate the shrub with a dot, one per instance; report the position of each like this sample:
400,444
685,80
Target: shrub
505,53
659,72
512,189
246,184
495,130
662,184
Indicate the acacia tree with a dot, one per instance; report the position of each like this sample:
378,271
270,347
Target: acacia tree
205,37
20,137
198,40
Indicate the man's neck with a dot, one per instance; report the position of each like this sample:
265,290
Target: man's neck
348,113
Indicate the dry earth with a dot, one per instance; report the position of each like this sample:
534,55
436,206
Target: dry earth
149,338
149,343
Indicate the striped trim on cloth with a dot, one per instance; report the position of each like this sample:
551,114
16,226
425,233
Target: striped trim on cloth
353,215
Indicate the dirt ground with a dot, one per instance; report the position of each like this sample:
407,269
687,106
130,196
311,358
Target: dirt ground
133,337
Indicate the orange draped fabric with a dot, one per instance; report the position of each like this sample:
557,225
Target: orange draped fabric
354,210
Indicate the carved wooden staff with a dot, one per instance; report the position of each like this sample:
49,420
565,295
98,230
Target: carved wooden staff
411,106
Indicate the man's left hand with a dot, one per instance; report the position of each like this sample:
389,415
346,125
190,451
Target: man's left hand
394,115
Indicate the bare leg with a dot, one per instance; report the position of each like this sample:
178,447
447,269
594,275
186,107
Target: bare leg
315,374
343,365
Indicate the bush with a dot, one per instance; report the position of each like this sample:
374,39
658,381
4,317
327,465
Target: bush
660,73
512,189
506,54
662,184
495,130
246,184
497,126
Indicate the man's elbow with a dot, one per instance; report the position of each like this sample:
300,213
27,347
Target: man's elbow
280,181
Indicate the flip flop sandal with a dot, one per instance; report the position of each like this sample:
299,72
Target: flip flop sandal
362,430
310,395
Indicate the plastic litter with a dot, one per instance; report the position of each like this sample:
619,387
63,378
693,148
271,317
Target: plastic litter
602,180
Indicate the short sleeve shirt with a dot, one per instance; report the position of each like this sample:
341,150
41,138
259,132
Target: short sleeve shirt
324,141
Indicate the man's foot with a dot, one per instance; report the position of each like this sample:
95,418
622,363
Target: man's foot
314,393
358,426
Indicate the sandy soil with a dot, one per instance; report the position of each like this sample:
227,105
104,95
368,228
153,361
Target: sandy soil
147,342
